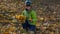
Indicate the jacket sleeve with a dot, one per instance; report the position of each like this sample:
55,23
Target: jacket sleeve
23,13
34,17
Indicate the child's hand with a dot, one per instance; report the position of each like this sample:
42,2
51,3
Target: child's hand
30,19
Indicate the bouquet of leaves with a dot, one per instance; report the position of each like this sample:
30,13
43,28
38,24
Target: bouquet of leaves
20,18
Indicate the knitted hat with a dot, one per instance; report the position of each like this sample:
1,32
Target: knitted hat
28,3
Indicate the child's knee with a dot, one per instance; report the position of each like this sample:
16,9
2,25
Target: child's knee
32,28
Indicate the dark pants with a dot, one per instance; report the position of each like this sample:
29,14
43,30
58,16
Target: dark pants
27,26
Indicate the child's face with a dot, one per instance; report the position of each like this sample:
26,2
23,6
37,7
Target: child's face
28,7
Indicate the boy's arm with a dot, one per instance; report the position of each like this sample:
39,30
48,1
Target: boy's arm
34,17
23,13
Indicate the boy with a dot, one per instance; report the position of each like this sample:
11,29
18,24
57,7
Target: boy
30,17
